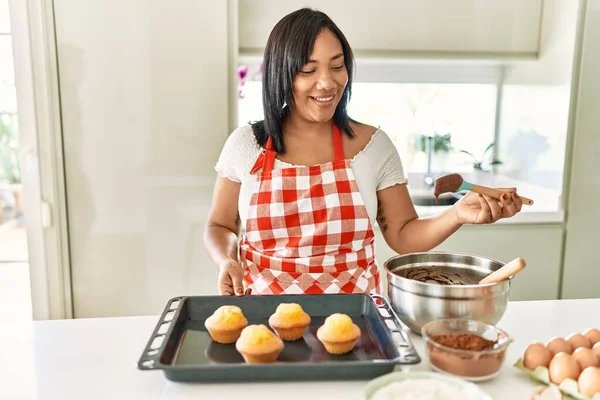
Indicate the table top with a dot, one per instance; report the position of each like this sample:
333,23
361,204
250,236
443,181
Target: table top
97,359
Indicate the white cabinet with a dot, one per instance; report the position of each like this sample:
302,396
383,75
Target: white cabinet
144,103
539,245
458,27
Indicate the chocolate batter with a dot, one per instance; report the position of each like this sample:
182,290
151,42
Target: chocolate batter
430,275
447,183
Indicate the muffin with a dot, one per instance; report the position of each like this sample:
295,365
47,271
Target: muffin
226,324
338,334
259,345
289,321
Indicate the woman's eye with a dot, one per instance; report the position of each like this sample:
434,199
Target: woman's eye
339,68
306,72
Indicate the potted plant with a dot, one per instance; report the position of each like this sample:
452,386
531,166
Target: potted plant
441,143
487,160
10,172
441,148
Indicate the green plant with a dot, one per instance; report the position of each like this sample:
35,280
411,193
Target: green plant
9,150
441,143
486,161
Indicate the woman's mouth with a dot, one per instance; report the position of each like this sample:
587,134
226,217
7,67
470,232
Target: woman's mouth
323,101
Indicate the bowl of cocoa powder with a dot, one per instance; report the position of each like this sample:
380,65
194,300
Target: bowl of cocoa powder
469,349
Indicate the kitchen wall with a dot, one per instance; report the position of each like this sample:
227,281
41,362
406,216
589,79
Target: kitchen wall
582,232
145,111
567,82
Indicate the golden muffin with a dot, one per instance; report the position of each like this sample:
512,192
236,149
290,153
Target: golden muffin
225,324
259,345
338,334
289,321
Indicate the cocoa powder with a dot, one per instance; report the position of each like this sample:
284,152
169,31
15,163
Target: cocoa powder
464,341
465,365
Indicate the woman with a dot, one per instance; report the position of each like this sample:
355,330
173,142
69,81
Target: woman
308,183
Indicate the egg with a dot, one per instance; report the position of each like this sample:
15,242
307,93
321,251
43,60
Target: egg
563,366
593,335
559,345
586,358
596,349
589,381
536,355
577,340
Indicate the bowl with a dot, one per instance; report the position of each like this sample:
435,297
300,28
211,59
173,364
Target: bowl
466,358
424,287
467,390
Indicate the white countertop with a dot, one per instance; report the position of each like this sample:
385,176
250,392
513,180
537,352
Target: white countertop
96,359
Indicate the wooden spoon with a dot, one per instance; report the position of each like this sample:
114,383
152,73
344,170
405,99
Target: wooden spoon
455,183
509,269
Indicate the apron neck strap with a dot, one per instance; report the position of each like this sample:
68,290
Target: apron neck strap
338,149
338,144
269,156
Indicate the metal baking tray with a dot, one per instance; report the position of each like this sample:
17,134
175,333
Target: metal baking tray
184,351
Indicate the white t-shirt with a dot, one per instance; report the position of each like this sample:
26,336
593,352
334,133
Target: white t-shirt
376,167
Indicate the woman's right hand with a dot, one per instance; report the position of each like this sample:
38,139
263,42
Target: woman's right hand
231,276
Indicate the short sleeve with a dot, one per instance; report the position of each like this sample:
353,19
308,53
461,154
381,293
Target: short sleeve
237,154
391,171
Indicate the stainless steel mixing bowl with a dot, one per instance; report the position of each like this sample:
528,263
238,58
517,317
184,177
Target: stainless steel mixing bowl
418,297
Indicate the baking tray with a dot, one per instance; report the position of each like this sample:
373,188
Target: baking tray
184,351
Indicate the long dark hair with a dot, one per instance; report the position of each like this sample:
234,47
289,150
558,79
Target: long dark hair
288,49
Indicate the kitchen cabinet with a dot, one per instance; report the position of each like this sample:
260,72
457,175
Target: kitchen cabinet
538,244
144,107
451,28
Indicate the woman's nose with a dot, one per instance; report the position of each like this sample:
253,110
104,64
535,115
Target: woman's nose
325,82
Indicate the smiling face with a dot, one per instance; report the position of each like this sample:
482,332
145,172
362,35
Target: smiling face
320,83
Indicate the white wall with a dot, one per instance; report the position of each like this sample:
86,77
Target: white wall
552,78
144,91
581,266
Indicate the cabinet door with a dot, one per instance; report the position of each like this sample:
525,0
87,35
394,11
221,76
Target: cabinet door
457,26
538,245
144,93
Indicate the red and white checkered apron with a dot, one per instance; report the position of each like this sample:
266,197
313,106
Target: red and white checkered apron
308,230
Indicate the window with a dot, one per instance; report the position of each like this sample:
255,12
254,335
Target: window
15,293
459,114
533,133
13,241
520,129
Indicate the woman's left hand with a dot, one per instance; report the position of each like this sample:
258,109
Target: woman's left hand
476,208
